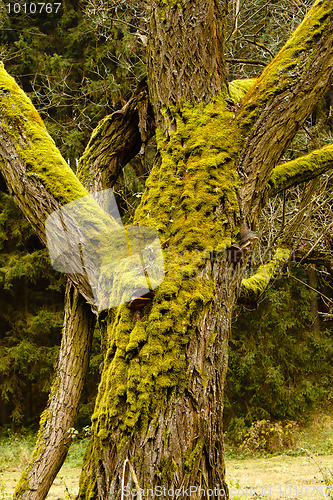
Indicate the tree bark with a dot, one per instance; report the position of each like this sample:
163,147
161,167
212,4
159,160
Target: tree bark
115,141
160,400
281,100
54,437
186,54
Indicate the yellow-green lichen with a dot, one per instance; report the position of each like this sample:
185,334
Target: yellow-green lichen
165,470
171,3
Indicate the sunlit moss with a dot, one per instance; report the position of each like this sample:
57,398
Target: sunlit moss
293,60
253,286
301,169
191,199
20,120
238,88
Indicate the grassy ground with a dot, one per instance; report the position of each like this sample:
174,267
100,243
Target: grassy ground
305,472
14,454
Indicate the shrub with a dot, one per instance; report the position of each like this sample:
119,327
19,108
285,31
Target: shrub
266,436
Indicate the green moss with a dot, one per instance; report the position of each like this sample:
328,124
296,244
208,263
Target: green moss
88,478
171,3
22,123
301,169
190,459
256,284
289,65
191,198
238,88
165,470
23,484
44,163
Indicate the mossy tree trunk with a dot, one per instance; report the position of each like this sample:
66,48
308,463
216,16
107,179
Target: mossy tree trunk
160,400
99,168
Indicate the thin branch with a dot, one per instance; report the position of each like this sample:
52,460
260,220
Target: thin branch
260,45
246,61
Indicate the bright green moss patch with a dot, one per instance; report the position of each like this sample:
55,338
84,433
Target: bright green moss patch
191,198
238,88
255,285
171,3
35,147
301,169
289,65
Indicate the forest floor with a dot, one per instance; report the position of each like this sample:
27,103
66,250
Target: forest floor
274,477
304,473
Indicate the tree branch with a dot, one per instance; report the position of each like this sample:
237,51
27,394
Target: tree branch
283,97
252,62
255,285
37,176
54,436
116,140
300,170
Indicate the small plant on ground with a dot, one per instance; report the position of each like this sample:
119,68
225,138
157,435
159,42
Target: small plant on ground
326,473
268,437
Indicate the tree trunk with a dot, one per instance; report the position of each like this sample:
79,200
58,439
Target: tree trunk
160,399
99,168
55,433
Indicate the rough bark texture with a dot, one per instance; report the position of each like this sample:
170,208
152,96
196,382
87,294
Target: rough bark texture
160,400
182,449
54,436
116,140
168,370
281,100
300,170
186,53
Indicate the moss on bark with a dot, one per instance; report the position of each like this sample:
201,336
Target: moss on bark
255,285
20,120
301,169
191,199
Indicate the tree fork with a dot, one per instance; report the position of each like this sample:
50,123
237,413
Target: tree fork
116,140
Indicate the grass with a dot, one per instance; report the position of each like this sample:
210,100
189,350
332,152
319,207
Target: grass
316,438
310,459
16,449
